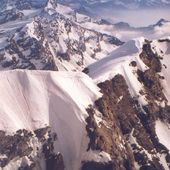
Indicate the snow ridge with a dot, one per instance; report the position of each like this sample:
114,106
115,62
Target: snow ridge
33,99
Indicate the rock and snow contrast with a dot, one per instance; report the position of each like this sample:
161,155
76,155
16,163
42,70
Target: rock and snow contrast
80,93
36,100
46,39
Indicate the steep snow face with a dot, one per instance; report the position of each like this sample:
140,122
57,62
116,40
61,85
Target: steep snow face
163,133
117,61
34,99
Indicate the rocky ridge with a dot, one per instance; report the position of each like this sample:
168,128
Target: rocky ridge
127,129
121,130
50,41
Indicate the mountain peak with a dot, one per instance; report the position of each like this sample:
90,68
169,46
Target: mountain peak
161,22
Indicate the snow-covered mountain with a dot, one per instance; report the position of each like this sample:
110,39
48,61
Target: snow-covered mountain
44,38
143,68
126,4
125,31
75,97
116,119
158,30
37,100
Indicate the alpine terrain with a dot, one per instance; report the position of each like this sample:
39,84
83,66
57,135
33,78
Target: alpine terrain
78,92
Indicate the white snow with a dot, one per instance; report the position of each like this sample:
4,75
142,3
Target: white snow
118,62
2,156
107,67
97,156
162,158
31,30
34,99
163,133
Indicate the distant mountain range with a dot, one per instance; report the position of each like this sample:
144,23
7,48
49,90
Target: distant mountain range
88,4
130,4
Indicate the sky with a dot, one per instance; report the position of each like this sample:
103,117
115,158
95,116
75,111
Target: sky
137,18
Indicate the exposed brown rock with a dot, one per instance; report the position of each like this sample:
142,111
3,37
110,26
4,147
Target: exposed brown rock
98,166
18,145
13,146
150,58
123,117
40,133
152,85
109,139
53,161
133,64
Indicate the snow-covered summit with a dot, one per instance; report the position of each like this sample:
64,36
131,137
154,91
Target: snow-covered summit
111,118
115,63
43,89
35,99
121,60
65,44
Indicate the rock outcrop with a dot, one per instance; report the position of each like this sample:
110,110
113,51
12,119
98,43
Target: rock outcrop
127,129
30,149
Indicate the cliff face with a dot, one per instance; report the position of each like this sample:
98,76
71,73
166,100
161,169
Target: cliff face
127,129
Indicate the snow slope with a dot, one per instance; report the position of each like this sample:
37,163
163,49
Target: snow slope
34,99
115,63
118,62
163,133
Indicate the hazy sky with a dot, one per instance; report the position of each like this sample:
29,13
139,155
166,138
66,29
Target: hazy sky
136,17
